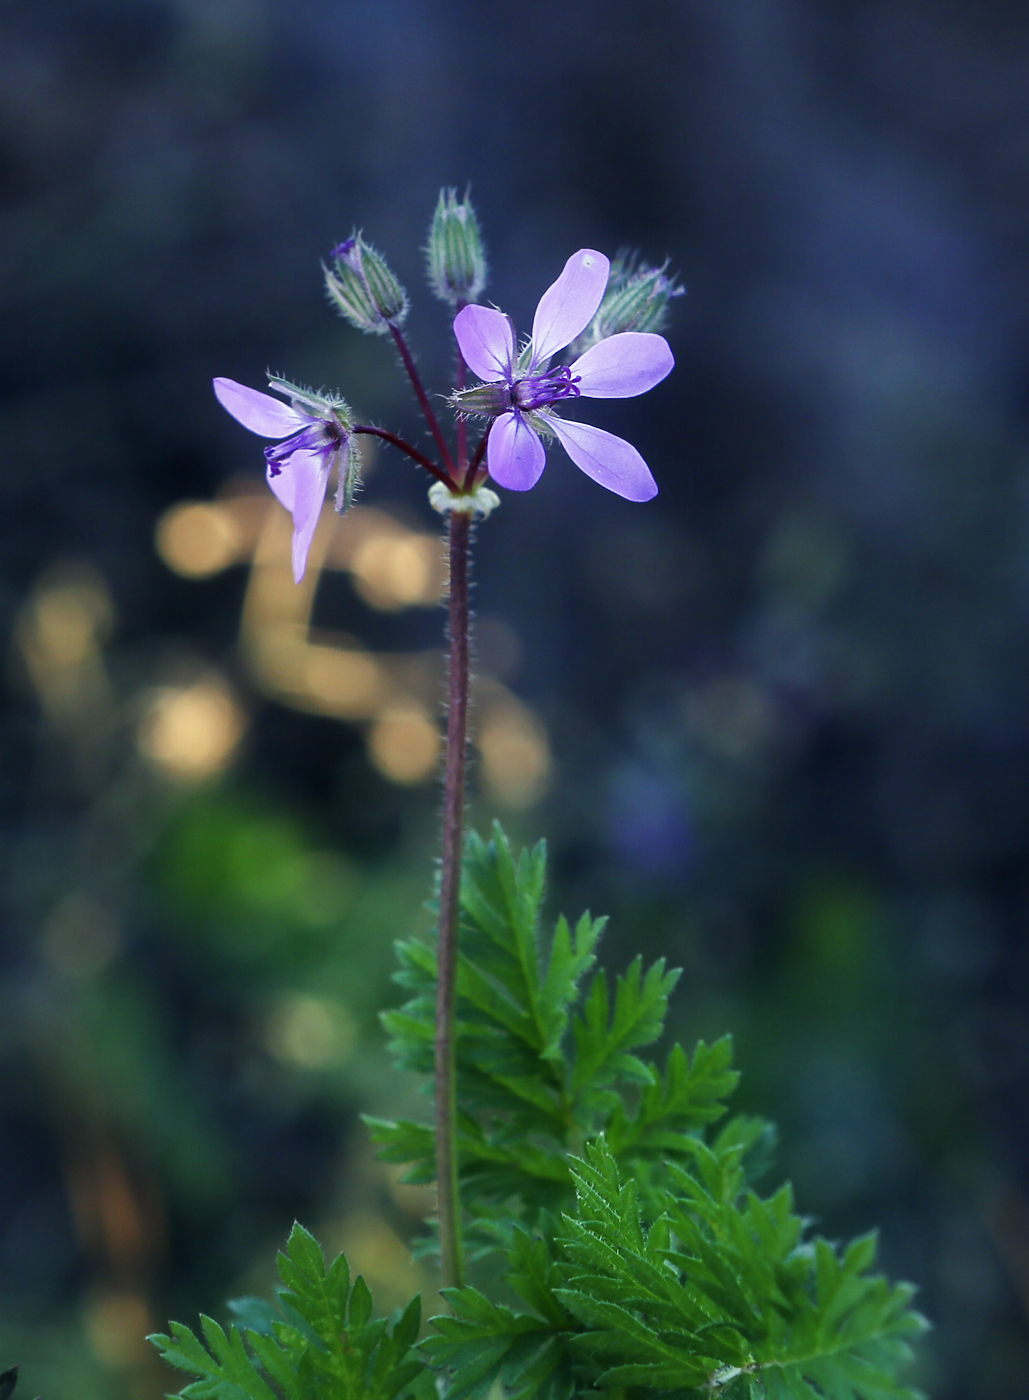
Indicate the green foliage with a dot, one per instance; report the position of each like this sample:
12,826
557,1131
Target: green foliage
320,1342
722,1293
542,1066
639,1256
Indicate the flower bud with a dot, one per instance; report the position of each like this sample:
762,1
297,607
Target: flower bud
636,299
457,264
482,400
361,286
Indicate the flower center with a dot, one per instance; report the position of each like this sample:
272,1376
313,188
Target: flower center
539,390
316,437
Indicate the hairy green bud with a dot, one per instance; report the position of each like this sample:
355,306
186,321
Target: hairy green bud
316,403
482,400
457,263
363,289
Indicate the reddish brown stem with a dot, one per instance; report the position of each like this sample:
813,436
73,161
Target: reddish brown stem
412,452
476,462
423,399
449,1204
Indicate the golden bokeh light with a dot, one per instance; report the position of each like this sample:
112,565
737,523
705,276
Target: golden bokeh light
404,744
198,538
382,1258
348,684
60,631
190,732
515,753
67,618
116,1326
310,1032
393,566
417,1200
393,570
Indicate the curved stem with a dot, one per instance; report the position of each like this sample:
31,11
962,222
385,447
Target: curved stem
449,1204
412,452
476,462
423,399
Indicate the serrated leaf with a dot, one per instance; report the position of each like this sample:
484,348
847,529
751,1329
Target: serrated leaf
605,1035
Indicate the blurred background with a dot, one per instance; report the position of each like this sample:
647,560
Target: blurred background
775,723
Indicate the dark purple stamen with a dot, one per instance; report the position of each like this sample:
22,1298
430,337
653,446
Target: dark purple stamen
314,438
539,390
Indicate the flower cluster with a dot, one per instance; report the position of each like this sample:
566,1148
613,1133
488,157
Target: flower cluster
609,314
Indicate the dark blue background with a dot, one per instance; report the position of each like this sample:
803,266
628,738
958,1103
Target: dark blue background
789,700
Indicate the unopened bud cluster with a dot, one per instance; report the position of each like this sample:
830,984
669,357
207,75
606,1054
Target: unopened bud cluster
457,263
636,299
362,287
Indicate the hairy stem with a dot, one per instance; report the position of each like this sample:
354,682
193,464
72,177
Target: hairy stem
404,446
423,399
449,1205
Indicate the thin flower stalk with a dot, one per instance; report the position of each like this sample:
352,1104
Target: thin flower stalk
423,401
447,1166
406,448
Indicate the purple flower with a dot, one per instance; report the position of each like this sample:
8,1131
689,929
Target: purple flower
317,437
520,389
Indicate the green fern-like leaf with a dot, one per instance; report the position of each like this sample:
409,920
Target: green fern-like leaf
723,1292
321,1343
483,1343
606,1036
540,1068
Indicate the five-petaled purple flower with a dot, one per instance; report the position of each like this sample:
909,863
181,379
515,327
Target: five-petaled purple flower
527,388
317,439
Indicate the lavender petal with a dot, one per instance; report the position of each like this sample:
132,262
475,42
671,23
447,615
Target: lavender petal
567,307
514,454
609,460
259,412
486,341
300,486
279,476
623,365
